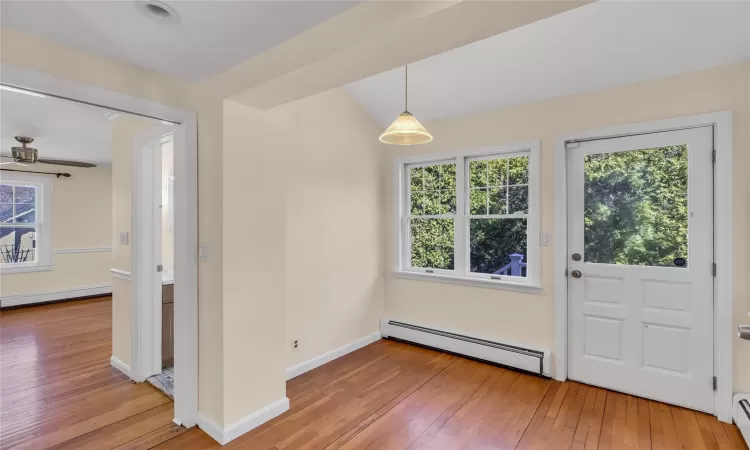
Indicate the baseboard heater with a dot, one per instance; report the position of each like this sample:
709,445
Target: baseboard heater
529,360
742,415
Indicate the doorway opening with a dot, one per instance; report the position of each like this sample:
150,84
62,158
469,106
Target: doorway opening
137,328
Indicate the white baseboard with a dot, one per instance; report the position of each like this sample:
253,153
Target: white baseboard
121,274
121,366
318,361
64,294
227,434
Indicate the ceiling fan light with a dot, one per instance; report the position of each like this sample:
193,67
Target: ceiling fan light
406,130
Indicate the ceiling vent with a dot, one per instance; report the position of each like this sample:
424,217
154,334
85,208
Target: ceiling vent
157,11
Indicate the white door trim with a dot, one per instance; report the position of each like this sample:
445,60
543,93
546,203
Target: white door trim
186,214
723,333
146,230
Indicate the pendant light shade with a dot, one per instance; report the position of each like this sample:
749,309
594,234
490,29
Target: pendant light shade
406,129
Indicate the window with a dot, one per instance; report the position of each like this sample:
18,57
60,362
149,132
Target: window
472,216
25,223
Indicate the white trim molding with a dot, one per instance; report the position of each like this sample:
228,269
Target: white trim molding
63,294
119,365
723,243
121,274
224,435
65,251
24,269
327,357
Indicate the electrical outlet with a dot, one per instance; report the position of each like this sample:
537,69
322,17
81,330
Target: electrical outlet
295,345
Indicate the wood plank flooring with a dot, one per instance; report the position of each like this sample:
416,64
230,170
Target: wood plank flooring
57,390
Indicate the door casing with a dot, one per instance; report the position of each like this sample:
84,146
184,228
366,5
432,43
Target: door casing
723,332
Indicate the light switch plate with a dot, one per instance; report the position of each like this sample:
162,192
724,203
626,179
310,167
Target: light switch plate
124,238
546,240
203,252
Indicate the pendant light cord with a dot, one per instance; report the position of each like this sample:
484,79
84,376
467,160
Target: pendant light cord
406,88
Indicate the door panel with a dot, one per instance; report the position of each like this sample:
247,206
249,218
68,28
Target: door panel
641,313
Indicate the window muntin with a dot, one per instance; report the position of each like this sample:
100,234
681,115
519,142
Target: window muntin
479,223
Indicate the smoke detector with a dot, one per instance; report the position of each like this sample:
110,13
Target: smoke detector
157,11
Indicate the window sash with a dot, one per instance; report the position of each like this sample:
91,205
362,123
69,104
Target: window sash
42,252
462,218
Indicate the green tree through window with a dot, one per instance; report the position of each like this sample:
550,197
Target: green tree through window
636,206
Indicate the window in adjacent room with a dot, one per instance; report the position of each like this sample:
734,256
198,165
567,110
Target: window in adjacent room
25,243
472,215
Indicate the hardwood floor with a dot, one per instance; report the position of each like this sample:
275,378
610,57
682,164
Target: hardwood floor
58,391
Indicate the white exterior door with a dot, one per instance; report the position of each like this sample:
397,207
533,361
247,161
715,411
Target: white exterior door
640,268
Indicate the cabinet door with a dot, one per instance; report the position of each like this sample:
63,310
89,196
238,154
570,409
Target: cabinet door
167,335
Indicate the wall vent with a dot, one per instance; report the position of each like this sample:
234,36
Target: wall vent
526,359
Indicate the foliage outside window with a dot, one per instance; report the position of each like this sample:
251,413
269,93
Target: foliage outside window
469,217
22,223
636,207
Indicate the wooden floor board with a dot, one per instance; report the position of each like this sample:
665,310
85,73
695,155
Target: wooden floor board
58,391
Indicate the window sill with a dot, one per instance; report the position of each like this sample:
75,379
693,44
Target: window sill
449,279
23,269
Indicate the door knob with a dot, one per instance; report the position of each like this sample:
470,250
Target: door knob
576,273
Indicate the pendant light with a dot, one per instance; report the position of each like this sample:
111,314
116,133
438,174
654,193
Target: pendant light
406,129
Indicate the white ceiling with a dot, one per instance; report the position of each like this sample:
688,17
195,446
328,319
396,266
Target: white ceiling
212,35
61,129
598,46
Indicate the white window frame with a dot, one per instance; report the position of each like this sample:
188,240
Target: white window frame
44,187
462,271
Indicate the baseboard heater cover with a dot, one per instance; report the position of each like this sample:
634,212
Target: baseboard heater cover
529,360
742,415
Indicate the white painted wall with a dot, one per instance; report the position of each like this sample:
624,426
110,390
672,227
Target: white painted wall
529,318
81,219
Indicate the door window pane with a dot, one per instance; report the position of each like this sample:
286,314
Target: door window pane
636,207
498,246
432,243
17,245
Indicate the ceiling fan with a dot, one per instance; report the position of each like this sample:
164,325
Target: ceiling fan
24,155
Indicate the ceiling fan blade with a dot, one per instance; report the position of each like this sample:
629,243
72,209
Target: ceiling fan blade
64,162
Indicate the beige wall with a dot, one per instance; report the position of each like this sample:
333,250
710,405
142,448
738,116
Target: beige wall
253,257
529,318
334,262
302,253
81,216
124,130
